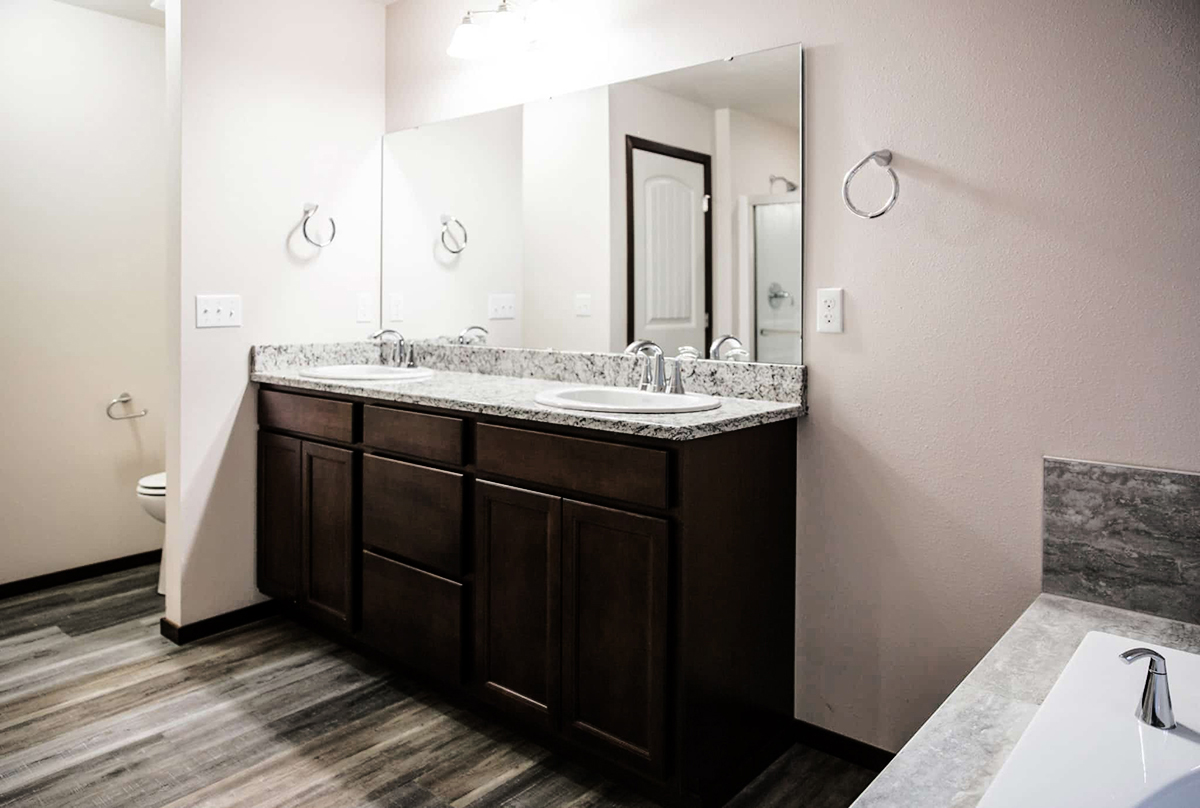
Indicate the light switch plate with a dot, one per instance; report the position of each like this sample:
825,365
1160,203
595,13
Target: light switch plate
364,308
502,307
395,307
218,311
829,311
583,305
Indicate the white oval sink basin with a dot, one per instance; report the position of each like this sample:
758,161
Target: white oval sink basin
625,399
366,373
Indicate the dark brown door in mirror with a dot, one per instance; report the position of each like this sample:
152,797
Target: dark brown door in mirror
328,532
278,536
517,601
615,633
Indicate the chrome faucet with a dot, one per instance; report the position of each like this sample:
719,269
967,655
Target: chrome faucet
1155,706
466,333
656,381
714,350
685,352
391,356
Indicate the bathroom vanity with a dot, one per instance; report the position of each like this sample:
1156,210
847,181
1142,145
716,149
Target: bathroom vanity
625,597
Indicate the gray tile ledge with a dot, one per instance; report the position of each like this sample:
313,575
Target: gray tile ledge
953,757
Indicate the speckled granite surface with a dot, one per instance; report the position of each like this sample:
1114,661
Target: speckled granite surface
766,382
513,398
952,759
1124,536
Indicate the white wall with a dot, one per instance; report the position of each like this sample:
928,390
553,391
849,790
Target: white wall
1034,291
279,103
645,112
566,207
470,169
82,283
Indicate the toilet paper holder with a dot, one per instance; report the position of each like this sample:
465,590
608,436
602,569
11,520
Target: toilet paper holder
124,398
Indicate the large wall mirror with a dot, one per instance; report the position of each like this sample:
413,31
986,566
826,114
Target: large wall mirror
665,208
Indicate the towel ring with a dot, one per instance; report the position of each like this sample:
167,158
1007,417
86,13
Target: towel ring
448,220
124,398
309,210
882,158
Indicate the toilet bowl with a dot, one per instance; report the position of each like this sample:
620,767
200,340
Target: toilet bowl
152,494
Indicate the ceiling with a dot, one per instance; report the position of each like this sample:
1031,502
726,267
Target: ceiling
138,10
765,84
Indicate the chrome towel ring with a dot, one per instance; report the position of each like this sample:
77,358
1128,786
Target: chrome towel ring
309,210
124,398
883,158
453,247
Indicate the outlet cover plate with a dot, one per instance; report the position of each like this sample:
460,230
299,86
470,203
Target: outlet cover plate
829,311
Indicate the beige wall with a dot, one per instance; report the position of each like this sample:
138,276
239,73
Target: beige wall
82,280
278,103
469,169
1035,291
565,199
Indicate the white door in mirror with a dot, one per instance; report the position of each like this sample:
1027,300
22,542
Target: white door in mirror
625,399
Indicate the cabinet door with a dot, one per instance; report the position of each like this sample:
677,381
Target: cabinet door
615,633
328,532
517,601
278,539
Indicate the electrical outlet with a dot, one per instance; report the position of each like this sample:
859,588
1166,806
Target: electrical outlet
502,307
364,308
583,305
218,311
829,311
396,307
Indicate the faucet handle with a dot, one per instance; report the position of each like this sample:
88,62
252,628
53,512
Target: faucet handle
677,376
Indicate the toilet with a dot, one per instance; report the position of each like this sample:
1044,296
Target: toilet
152,494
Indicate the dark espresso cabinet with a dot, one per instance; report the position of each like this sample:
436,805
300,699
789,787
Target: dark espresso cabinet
306,536
518,592
626,600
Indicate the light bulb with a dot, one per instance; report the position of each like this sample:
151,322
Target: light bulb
470,41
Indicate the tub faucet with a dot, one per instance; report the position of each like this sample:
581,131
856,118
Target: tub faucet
393,356
1155,706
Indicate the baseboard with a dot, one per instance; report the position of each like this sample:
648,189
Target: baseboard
216,624
23,587
857,752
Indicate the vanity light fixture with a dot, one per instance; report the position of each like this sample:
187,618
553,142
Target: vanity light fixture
508,28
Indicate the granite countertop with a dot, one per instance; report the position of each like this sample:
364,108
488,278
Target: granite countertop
952,759
513,398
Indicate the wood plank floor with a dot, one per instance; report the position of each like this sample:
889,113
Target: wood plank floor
97,709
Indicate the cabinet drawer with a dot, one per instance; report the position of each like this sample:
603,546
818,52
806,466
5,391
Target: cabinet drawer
414,512
413,616
434,437
628,473
305,414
